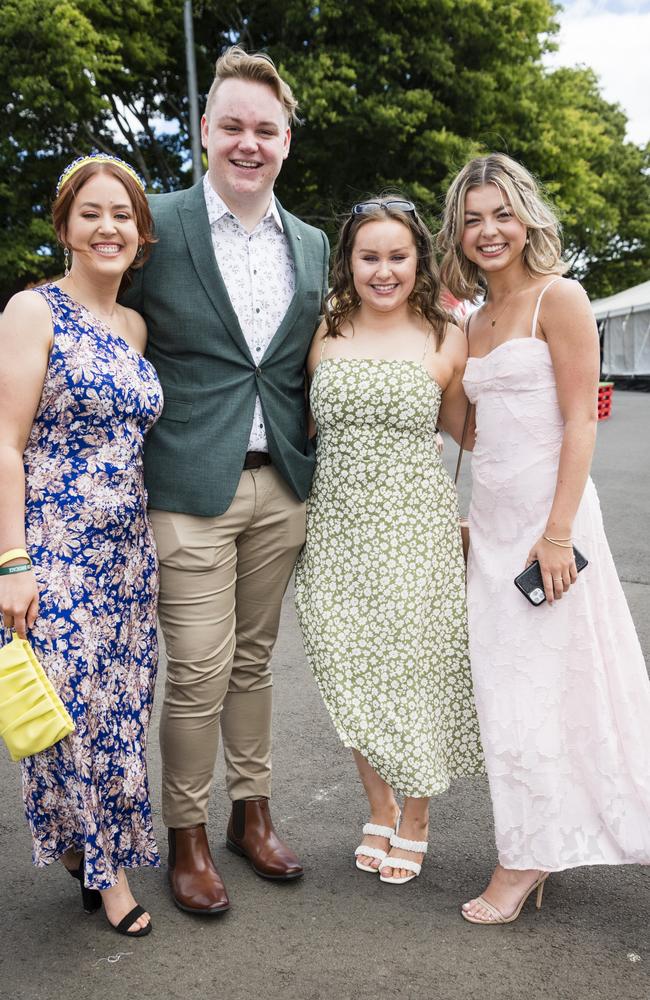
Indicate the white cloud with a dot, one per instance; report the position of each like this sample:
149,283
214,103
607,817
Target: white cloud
613,38
586,8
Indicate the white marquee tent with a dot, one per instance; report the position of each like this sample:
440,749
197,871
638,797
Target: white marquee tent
624,324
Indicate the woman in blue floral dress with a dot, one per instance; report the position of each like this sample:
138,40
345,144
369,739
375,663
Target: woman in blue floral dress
76,400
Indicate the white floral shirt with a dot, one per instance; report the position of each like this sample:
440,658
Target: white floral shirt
260,278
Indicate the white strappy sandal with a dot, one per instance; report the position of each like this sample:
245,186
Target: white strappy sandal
374,830
417,846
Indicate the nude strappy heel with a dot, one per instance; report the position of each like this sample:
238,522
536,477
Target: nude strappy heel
496,917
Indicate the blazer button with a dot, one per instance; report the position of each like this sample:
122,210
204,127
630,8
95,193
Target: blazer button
258,372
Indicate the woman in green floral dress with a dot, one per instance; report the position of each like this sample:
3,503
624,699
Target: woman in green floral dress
380,584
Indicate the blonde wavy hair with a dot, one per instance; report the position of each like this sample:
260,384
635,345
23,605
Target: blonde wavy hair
343,300
543,251
237,64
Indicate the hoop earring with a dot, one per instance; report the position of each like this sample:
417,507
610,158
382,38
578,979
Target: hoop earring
139,253
66,262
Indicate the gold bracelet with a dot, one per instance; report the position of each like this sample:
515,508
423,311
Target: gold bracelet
569,539
554,541
14,554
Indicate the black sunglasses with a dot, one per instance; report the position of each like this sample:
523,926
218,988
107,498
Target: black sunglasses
369,206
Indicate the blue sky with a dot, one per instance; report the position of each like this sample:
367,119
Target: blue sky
613,37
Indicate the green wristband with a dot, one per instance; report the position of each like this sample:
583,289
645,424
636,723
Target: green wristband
21,568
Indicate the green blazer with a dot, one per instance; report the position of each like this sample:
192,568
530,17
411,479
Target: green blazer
194,455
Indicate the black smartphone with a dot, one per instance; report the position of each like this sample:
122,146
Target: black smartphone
530,582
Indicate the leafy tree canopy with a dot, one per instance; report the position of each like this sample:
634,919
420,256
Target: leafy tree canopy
394,94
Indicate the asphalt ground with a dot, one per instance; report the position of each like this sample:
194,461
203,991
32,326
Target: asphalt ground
339,933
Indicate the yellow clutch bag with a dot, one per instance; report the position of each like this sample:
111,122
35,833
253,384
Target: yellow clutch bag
32,716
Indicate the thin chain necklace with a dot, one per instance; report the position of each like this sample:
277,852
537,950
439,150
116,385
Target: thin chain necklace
493,322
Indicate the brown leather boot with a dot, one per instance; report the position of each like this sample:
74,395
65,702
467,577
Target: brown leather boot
195,882
251,834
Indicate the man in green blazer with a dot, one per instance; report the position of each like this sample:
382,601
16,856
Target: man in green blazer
231,295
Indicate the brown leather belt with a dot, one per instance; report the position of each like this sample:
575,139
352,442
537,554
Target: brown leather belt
256,459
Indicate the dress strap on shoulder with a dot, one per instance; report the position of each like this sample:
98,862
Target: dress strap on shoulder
56,299
426,346
533,331
322,347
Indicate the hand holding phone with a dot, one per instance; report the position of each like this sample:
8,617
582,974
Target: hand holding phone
530,581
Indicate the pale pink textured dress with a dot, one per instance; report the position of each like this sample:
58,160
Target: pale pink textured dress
562,691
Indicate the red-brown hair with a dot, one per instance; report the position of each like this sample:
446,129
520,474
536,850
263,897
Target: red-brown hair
142,214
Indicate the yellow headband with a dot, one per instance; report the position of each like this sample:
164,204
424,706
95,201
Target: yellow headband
81,161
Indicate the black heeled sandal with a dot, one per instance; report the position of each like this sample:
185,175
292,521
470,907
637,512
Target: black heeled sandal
130,918
91,899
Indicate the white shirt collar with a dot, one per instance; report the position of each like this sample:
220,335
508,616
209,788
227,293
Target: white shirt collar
217,207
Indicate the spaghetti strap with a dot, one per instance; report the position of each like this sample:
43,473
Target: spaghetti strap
426,346
539,302
322,348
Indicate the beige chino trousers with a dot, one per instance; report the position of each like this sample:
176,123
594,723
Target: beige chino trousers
222,580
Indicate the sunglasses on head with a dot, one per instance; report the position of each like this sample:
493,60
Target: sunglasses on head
369,206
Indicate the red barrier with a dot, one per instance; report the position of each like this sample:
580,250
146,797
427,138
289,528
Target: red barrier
605,391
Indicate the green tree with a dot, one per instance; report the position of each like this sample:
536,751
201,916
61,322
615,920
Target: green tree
600,182
401,93
45,86
81,75
395,93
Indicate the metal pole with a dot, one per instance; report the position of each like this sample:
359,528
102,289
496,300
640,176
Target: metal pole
192,92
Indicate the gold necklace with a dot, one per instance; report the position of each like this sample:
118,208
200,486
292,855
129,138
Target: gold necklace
493,322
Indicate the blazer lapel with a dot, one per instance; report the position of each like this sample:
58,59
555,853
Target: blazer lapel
295,306
196,228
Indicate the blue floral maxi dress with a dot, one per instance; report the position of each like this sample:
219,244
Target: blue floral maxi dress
96,567
380,583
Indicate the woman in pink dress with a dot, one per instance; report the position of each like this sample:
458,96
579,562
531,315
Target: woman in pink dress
562,690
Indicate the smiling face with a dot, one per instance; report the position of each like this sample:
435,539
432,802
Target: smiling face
247,139
100,229
493,237
384,264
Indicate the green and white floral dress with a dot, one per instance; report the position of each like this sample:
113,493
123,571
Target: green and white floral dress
380,583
